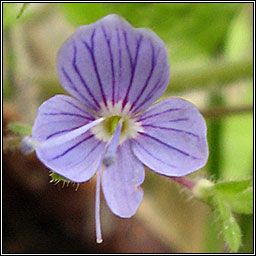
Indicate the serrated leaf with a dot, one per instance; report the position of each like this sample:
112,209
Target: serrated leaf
230,228
18,128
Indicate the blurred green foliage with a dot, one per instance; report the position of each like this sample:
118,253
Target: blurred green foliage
237,147
239,39
196,35
10,11
20,129
22,9
192,30
14,13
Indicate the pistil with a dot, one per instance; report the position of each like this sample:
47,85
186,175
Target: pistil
110,155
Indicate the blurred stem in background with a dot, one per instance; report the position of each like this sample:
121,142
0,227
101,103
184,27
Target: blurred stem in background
213,243
204,74
9,85
215,136
200,76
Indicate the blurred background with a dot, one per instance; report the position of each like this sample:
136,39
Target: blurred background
210,49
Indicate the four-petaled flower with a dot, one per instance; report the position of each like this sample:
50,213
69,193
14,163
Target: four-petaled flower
115,72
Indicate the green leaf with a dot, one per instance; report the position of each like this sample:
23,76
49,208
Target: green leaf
241,202
18,128
237,194
230,228
233,186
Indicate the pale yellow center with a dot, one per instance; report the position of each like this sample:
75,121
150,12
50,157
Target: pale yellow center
112,114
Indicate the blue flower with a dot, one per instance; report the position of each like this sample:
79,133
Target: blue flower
114,73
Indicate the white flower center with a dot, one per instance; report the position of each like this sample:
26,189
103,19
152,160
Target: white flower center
112,114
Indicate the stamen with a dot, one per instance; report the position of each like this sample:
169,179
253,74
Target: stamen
110,155
69,136
97,209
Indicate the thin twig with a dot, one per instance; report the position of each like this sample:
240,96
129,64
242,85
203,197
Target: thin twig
216,112
22,9
220,72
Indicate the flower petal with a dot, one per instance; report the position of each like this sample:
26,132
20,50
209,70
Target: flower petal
77,159
120,183
173,141
110,61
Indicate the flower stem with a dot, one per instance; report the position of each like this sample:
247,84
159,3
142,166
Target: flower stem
189,184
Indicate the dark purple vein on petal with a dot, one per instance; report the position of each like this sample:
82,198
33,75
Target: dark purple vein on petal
153,64
133,66
158,114
62,131
167,145
91,51
119,60
91,151
90,117
112,64
173,120
66,114
128,49
71,148
177,120
82,79
171,129
150,94
157,85
123,178
153,156
73,87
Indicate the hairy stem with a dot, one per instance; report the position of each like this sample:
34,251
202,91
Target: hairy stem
189,184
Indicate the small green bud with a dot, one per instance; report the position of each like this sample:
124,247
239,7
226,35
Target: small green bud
203,189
